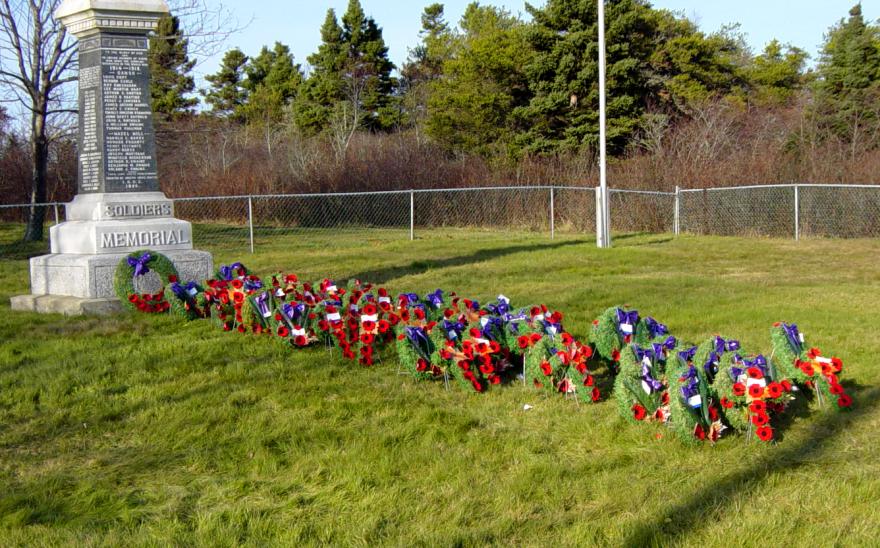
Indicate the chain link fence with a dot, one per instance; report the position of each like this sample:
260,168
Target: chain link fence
247,223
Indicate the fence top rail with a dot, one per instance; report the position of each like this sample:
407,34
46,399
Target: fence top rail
648,192
791,185
48,204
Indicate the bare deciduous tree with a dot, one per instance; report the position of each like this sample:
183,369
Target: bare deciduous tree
36,55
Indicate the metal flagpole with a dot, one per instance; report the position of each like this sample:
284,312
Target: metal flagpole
603,217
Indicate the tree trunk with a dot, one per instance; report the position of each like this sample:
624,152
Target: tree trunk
39,176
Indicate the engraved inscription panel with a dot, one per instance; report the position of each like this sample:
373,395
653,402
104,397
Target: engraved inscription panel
129,161
117,142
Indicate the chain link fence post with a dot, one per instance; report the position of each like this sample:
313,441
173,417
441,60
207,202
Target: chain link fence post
412,215
676,214
797,213
251,221
552,213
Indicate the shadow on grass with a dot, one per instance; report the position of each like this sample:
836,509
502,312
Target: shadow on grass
712,498
22,251
383,275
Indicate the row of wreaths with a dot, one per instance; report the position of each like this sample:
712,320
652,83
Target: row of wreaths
698,391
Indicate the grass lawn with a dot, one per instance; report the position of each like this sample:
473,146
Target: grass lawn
148,431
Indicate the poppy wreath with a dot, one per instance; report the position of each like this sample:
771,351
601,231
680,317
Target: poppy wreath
187,301
693,413
418,352
751,393
807,366
640,386
619,326
138,264
558,364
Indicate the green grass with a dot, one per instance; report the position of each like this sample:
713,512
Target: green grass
147,431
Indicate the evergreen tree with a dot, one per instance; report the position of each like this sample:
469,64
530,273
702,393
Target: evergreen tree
350,72
170,68
425,64
272,83
323,89
471,107
227,94
775,76
847,95
563,113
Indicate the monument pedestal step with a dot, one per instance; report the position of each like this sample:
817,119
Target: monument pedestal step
91,276
69,306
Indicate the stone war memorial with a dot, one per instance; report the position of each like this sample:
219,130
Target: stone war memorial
119,207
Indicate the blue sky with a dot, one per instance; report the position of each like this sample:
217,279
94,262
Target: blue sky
296,22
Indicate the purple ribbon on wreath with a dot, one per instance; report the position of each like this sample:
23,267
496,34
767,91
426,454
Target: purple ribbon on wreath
262,302
411,298
759,362
551,328
417,337
687,356
140,265
500,309
794,337
655,328
489,326
691,387
722,346
627,317
228,271
453,329
435,299
654,353
293,312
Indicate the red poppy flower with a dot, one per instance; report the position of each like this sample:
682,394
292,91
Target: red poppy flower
404,315
837,364
727,404
241,329
639,412
347,354
546,368
370,309
534,338
384,326
755,373
588,381
836,389
739,389
756,391
237,284
699,433
615,355
786,385
844,401
477,386
227,327
238,297
487,369
774,390
664,399
367,338
523,342
421,365
760,419
581,368
764,433
595,394
758,406
420,314
814,353
301,340
495,379
713,413
283,331
566,339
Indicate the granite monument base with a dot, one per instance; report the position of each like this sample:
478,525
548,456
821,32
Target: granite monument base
80,284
